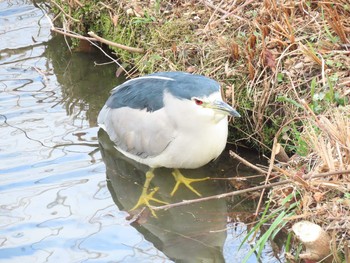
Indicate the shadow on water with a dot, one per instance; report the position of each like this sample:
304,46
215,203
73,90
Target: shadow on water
192,233
85,78
181,233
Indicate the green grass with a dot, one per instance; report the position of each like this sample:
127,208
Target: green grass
277,222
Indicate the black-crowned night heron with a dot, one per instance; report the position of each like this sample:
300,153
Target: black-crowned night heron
168,119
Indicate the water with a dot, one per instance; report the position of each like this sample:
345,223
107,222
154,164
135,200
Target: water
64,192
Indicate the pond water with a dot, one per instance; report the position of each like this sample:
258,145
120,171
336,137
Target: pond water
65,192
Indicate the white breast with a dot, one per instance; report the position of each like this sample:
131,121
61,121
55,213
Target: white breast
200,135
188,135
195,151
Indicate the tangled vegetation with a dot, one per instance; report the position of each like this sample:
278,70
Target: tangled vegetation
267,56
285,65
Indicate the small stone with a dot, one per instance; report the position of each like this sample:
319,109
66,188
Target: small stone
130,12
299,65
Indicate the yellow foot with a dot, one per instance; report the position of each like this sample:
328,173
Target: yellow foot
145,197
180,179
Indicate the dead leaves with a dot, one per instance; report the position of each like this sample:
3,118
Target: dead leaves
268,59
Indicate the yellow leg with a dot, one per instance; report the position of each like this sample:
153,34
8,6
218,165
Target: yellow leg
180,179
146,197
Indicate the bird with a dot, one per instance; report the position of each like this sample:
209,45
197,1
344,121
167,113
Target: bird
175,120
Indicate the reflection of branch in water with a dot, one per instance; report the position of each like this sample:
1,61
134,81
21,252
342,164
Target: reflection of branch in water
91,40
42,144
75,144
24,132
91,154
55,146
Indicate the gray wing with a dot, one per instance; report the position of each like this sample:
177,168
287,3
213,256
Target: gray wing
136,131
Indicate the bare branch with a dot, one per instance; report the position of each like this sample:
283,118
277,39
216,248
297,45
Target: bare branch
252,189
113,44
244,161
192,201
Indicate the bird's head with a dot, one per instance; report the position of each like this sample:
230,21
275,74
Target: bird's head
196,98
212,107
216,104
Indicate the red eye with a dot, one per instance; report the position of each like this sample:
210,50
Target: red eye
198,102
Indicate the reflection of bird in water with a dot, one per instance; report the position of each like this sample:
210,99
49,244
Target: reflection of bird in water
183,234
170,119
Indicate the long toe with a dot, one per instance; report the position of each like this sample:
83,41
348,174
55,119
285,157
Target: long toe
181,179
146,196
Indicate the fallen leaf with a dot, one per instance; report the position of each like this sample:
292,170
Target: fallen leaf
269,59
318,196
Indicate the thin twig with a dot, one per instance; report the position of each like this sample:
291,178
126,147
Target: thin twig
90,39
113,44
215,7
61,9
65,33
233,11
310,112
93,37
78,3
272,161
236,156
242,178
252,189
306,177
219,196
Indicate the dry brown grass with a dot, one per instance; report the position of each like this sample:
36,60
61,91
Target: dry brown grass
324,200
265,53
260,50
